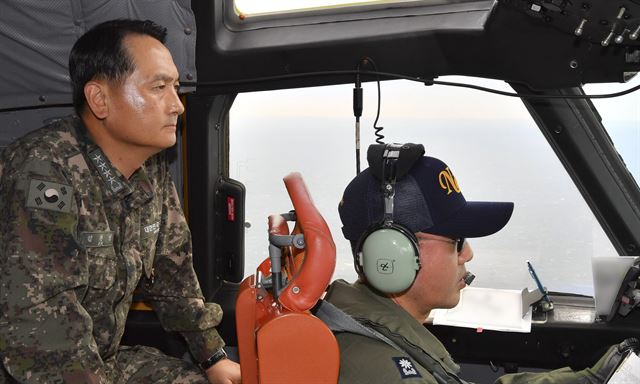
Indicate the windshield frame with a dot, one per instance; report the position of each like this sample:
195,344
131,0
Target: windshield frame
575,131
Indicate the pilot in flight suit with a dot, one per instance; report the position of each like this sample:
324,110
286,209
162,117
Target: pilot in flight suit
407,221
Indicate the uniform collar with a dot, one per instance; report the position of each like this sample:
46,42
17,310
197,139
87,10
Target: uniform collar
361,302
138,189
142,187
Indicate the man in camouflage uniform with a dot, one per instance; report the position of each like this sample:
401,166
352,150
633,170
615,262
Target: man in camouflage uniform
89,214
408,237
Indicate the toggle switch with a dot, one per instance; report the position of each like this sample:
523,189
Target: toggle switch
607,40
580,29
619,38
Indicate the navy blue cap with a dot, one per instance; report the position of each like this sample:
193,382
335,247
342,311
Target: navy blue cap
428,199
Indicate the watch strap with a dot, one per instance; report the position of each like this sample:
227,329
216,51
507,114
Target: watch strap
218,355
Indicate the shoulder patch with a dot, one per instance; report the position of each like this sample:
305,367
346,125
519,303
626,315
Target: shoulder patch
49,195
406,367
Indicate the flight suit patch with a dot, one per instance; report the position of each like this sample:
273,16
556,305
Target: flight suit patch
406,367
49,195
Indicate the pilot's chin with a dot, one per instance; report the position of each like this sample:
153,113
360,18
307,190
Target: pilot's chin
454,301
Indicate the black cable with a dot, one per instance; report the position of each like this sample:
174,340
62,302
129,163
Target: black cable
378,130
205,84
411,78
357,92
357,112
533,96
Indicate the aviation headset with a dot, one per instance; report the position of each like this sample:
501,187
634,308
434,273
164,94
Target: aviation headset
387,253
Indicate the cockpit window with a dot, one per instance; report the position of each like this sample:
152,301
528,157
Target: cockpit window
490,142
249,8
621,118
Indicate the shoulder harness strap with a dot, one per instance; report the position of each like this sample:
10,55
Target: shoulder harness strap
339,321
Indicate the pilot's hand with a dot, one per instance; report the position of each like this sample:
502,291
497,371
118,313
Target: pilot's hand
224,372
610,360
594,375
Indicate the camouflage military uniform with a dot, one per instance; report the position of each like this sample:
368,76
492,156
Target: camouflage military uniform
365,360
77,238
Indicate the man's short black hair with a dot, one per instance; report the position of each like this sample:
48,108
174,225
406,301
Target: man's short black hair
99,53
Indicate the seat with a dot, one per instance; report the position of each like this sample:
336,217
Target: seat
279,340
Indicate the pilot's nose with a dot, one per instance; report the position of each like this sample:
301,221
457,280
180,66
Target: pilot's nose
467,253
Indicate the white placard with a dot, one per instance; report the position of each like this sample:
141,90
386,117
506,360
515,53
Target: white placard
486,308
608,273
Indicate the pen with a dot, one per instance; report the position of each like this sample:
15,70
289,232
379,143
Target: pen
542,289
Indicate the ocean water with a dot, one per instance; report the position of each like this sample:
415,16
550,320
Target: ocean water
496,155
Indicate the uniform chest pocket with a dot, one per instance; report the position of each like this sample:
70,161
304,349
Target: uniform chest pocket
148,240
101,259
102,263
102,267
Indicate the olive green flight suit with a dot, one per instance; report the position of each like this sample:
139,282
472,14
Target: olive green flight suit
365,360
76,240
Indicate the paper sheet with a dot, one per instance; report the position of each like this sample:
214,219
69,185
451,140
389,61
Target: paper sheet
628,372
485,308
608,273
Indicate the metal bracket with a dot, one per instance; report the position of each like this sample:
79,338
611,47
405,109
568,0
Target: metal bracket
529,298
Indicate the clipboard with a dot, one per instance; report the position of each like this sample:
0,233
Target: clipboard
627,371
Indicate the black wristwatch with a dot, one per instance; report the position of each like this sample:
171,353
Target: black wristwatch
220,354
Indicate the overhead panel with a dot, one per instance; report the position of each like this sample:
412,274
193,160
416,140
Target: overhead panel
543,44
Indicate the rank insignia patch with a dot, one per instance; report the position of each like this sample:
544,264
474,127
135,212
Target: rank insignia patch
49,195
106,170
406,367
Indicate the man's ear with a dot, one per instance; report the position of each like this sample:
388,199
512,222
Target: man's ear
96,95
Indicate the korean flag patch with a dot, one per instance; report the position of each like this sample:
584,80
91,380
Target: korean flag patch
406,367
49,195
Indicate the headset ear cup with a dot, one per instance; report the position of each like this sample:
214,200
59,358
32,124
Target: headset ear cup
389,259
